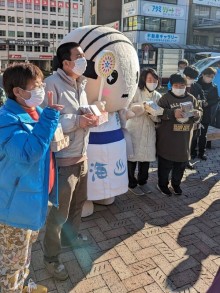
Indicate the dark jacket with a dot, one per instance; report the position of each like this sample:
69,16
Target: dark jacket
174,135
212,98
197,91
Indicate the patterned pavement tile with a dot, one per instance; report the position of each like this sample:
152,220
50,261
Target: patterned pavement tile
149,243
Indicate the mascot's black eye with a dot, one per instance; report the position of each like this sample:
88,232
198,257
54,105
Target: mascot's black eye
137,77
111,79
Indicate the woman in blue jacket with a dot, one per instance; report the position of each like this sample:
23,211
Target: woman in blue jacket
27,175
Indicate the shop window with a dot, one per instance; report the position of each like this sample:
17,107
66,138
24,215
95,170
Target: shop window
44,35
29,49
202,11
36,48
37,21
44,21
37,35
2,18
29,34
20,34
200,40
2,33
28,6
11,33
152,24
20,48
28,20
168,25
20,19
11,19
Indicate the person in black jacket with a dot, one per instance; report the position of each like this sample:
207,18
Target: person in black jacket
196,90
212,98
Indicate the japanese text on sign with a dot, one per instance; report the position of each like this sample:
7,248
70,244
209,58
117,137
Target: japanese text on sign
162,38
163,10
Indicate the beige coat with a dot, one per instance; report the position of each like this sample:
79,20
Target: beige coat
142,129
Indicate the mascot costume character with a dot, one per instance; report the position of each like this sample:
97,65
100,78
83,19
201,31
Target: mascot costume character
107,158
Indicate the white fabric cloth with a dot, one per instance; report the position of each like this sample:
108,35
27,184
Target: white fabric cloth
107,172
142,129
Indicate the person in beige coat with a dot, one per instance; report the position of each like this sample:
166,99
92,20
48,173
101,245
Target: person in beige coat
143,134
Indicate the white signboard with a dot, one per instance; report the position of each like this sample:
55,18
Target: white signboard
161,38
163,10
208,2
129,9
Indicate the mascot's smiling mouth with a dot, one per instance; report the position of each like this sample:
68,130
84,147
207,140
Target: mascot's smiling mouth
124,96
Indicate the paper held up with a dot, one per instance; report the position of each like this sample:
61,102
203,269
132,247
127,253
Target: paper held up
187,108
152,108
93,109
60,141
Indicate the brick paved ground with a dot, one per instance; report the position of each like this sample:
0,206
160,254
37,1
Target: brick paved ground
151,243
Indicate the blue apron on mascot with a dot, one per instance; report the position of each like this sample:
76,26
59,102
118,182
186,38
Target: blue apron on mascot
107,158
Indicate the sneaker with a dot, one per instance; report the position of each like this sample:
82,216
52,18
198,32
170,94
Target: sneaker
34,288
202,157
136,190
164,190
57,270
177,190
190,166
145,188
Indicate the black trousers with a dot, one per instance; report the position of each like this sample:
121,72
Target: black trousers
165,167
203,139
193,148
143,168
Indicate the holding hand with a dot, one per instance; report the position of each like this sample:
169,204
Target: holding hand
88,120
178,113
196,113
51,104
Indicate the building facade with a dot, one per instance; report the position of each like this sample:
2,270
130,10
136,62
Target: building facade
30,30
204,23
105,11
163,21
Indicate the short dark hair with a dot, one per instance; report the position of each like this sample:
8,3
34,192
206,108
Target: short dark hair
178,78
64,52
143,76
209,71
19,75
191,71
183,61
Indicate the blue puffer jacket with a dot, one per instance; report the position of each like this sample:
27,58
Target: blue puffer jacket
24,165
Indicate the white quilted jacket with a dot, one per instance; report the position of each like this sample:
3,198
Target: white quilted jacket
142,129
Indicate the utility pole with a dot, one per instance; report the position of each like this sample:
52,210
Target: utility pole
69,16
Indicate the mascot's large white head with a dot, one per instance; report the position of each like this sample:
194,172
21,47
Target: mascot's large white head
120,86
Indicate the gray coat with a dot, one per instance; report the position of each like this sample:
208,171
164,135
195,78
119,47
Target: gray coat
70,93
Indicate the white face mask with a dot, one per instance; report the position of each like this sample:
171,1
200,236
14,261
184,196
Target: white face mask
80,66
151,86
37,97
179,92
180,71
190,82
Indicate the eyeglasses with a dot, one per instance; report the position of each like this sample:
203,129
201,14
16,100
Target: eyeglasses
40,87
